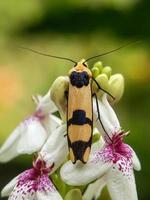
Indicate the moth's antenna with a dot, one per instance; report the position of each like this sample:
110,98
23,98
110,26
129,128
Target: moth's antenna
111,51
44,54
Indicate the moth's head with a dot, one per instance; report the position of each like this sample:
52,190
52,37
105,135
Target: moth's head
80,67
80,75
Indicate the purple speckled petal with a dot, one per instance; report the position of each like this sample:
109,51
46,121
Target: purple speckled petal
29,182
80,174
120,180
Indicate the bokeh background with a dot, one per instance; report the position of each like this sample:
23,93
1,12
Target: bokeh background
75,29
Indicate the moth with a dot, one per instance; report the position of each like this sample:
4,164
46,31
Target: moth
80,112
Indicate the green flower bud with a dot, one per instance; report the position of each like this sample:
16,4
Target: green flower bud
99,65
95,71
74,194
116,83
58,89
102,80
107,70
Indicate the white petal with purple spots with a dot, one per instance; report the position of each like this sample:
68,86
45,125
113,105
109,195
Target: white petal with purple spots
81,174
32,183
120,181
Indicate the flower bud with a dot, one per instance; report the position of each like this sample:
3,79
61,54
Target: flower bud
102,80
116,83
107,70
58,95
95,71
99,65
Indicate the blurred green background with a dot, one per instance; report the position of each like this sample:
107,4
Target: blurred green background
75,29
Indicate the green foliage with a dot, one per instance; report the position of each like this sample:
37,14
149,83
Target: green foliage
74,194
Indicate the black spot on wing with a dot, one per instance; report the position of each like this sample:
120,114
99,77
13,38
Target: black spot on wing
79,148
79,118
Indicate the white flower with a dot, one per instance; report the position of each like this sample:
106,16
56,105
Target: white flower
112,163
34,183
31,134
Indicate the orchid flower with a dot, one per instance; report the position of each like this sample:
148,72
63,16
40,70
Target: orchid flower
34,183
31,134
111,163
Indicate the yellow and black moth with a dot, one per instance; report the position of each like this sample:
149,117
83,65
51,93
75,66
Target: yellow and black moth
80,112
80,107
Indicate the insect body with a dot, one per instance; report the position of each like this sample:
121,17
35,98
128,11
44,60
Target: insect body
79,113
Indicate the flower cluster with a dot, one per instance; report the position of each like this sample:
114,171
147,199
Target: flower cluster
111,161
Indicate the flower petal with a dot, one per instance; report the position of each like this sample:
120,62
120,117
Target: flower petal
108,117
24,188
98,145
53,195
45,104
50,123
135,161
121,182
33,136
6,191
29,183
9,149
20,187
93,190
81,174
55,149
111,113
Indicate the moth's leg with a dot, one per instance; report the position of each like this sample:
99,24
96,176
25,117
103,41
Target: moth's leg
99,87
98,111
99,116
